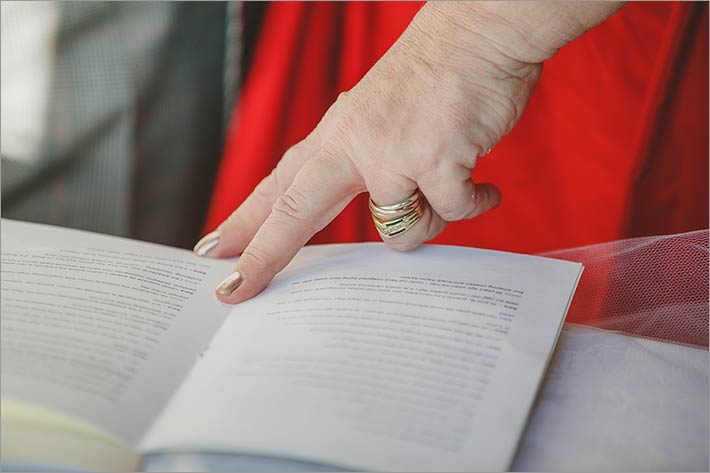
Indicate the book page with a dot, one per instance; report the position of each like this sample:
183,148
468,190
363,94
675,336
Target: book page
99,327
363,357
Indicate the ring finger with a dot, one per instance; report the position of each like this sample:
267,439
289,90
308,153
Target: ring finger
408,229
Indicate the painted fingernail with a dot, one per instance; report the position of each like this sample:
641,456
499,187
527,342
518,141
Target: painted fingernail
206,244
230,284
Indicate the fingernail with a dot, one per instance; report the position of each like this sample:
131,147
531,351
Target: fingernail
230,284
206,244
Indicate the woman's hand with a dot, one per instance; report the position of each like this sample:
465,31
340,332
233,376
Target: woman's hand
447,91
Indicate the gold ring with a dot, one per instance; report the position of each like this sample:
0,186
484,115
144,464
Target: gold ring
395,219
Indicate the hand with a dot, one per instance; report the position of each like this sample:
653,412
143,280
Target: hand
446,92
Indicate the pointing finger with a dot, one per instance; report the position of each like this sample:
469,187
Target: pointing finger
319,192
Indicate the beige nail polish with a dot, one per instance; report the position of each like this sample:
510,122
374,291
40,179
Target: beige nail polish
230,284
206,244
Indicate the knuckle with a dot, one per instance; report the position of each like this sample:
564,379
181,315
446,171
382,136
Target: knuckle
257,258
294,152
470,157
505,114
342,107
452,214
293,206
343,97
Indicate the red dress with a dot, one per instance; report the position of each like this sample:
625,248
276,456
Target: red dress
613,144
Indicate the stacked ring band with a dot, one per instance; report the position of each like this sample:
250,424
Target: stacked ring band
393,220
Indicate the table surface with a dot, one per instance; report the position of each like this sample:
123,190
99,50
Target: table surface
609,402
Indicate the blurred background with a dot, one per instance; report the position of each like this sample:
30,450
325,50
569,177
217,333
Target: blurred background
113,113
154,120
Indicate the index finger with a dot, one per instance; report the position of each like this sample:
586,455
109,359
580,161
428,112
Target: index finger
318,193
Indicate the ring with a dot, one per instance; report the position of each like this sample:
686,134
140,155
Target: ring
395,219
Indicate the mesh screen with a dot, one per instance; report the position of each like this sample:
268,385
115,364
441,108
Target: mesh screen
654,287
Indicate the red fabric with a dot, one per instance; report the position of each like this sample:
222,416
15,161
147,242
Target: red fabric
614,142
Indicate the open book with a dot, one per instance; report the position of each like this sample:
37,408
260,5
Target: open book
355,355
